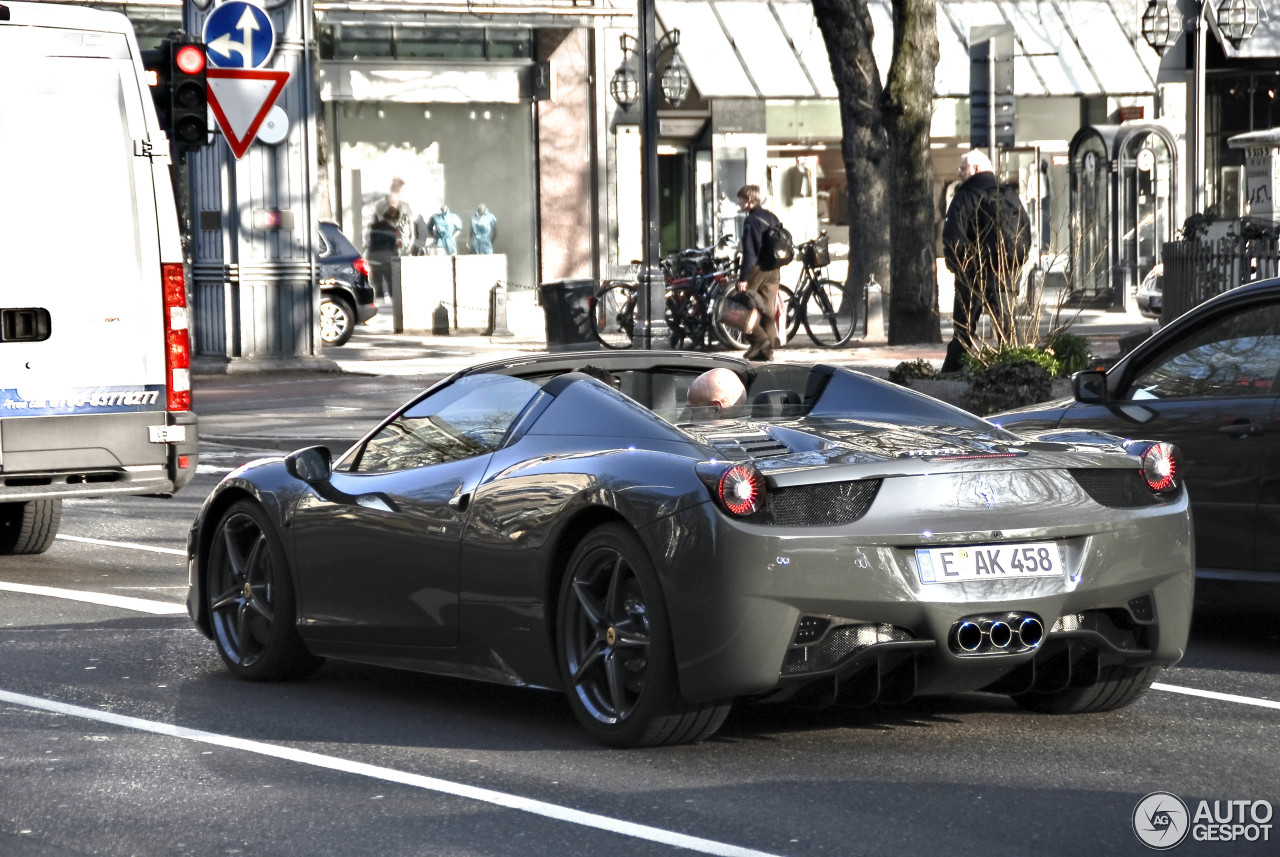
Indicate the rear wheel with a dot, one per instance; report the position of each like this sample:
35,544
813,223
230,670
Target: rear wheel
615,648
251,601
1118,686
30,527
337,320
613,315
830,313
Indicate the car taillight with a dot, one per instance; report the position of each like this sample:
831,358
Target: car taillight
1161,464
362,266
741,490
177,339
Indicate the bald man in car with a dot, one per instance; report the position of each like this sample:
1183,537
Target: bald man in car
720,387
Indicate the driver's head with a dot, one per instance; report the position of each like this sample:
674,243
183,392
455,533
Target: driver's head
719,387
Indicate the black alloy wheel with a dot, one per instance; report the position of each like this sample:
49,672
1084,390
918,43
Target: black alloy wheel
251,601
615,648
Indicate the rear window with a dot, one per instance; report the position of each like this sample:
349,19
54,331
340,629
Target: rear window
336,244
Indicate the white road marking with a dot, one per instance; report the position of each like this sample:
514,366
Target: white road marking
141,605
390,775
130,545
1213,694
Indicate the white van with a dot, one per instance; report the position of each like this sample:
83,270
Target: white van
95,386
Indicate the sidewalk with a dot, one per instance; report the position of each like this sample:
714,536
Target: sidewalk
376,350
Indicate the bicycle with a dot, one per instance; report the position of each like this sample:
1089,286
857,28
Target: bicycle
696,280
827,309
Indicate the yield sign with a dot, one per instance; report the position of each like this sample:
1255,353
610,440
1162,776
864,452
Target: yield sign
240,99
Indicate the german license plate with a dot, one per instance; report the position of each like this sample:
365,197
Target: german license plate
988,562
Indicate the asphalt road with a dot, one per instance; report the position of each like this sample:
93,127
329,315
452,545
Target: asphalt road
122,734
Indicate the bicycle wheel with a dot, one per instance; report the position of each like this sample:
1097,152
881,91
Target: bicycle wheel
830,313
613,315
729,337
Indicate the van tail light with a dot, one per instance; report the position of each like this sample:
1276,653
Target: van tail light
361,266
177,339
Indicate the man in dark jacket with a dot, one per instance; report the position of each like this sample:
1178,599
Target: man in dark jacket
761,282
975,250
383,247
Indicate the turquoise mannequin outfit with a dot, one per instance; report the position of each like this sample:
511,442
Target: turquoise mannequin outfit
484,228
445,226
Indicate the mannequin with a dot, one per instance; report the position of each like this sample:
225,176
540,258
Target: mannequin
484,230
445,226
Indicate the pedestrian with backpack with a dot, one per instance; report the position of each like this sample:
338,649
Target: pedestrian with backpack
985,243
765,246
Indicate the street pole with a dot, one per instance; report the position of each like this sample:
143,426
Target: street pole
1198,139
651,329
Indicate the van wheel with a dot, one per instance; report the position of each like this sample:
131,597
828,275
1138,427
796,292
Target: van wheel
29,527
337,320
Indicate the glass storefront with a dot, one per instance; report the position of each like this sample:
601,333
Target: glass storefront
1235,103
454,157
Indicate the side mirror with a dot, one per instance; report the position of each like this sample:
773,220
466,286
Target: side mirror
1090,386
313,465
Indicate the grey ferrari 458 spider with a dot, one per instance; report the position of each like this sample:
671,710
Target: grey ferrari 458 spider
834,538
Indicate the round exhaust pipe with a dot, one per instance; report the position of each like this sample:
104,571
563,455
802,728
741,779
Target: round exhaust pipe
1030,631
1000,634
969,636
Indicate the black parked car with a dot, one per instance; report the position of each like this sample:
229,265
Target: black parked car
1206,382
346,297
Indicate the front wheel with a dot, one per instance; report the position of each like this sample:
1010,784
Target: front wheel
613,315
615,648
29,527
1116,687
830,313
251,601
337,320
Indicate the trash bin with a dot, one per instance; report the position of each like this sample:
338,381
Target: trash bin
567,305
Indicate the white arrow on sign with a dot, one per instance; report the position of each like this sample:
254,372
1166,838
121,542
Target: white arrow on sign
225,45
240,99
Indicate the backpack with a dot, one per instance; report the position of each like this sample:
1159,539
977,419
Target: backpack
776,247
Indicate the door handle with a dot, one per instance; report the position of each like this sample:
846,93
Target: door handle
460,500
1241,428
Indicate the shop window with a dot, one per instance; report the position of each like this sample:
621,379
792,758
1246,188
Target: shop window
439,43
510,44
359,41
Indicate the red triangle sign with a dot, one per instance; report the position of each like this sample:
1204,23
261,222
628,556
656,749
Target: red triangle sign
240,99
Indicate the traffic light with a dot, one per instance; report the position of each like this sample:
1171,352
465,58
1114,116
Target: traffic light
180,91
189,110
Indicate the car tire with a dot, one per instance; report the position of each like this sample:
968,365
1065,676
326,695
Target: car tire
29,527
615,650
1117,687
252,609
337,320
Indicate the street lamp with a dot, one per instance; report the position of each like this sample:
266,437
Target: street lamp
651,326
1237,19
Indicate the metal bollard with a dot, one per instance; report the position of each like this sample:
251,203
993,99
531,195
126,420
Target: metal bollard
440,320
498,311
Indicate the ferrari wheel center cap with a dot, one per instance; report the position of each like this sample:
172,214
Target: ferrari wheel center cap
248,590
611,636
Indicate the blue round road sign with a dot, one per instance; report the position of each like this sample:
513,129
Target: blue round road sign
239,35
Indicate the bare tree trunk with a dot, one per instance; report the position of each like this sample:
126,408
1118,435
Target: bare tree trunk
847,30
908,109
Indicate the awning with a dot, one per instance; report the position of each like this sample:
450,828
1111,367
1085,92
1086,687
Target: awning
774,49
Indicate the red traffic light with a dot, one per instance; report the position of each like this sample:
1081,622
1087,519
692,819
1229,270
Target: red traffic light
190,59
